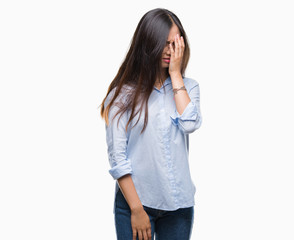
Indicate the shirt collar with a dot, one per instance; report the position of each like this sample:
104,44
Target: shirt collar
165,83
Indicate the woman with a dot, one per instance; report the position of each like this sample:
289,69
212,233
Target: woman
154,193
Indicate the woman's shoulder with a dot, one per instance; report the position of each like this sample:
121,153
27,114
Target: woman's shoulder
122,97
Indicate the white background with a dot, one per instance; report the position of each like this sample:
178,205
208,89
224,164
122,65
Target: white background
57,59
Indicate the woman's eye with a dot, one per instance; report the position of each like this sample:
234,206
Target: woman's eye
173,44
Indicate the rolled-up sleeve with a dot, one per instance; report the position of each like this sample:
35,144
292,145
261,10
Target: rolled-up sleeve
117,140
191,118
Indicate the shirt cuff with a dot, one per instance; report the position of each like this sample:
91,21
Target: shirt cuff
190,113
121,169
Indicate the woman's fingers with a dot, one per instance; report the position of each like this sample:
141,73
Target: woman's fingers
149,233
176,46
140,235
134,233
171,48
182,45
145,235
182,41
179,46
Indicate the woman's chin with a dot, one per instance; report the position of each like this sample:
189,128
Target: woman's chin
165,65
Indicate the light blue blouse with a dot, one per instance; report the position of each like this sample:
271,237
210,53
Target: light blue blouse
158,158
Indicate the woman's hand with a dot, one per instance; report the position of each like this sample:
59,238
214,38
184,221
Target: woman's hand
176,55
141,224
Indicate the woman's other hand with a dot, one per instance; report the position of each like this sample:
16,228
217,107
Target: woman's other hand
141,225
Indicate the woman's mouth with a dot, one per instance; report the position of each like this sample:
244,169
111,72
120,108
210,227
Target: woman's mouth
167,60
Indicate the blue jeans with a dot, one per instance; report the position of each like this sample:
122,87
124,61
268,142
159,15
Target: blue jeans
171,225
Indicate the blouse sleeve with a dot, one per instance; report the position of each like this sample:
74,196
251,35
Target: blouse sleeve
117,141
191,118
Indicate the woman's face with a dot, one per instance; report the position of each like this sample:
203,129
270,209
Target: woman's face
166,51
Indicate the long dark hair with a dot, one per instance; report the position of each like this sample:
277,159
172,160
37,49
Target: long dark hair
142,65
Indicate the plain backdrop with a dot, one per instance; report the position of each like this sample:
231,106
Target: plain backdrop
57,59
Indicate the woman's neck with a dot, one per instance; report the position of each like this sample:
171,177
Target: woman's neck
164,76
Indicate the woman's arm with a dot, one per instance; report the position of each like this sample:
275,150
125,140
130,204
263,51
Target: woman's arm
127,187
187,115
139,218
121,170
182,98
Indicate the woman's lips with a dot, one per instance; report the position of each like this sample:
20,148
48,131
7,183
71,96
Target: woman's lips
167,60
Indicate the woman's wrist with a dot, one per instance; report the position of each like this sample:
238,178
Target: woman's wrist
136,209
177,80
175,74
128,189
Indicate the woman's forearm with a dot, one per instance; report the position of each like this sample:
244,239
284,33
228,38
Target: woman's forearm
128,189
182,98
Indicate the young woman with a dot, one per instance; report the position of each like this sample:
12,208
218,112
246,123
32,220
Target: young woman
150,109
